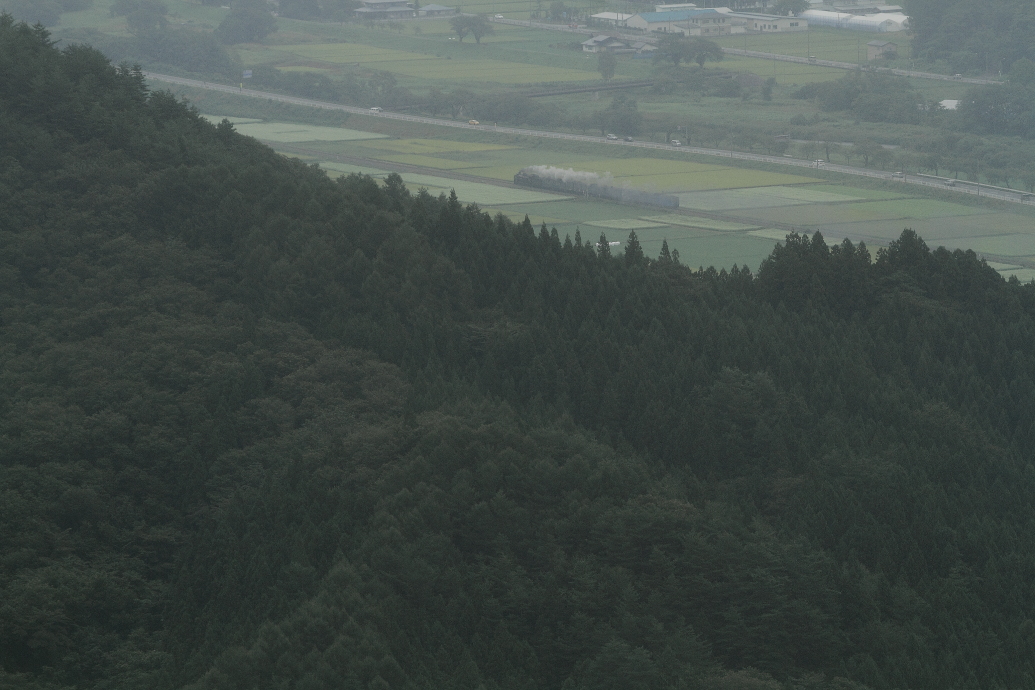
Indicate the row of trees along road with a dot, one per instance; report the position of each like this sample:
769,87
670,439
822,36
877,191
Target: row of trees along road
476,25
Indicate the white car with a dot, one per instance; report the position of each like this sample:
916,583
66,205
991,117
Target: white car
498,16
611,137
375,109
676,142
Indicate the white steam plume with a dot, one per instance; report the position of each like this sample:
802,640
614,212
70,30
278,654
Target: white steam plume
569,175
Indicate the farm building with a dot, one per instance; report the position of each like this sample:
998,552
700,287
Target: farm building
673,8
384,9
881,49
697,22
643,49
880,22
435,11
605,44
613,19
749,21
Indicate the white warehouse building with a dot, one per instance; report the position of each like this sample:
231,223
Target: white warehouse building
881,22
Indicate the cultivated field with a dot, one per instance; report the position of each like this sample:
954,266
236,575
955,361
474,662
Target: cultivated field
823,43
416,65
285,132
748,210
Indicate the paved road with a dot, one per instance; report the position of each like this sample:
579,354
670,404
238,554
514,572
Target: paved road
751,53
923,180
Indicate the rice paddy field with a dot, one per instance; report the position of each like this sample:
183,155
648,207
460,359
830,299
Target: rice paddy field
417,65
823,43
727,216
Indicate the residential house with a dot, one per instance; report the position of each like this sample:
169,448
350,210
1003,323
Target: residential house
605,44
880,49
384,9
434,10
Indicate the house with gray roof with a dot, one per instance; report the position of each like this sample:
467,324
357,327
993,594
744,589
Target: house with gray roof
384,9
433,10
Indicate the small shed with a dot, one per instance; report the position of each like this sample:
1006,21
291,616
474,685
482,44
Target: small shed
881,49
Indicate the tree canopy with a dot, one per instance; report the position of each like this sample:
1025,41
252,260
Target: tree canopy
261,428
477,25
678,48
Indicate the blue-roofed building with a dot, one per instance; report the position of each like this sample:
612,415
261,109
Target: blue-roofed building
690,22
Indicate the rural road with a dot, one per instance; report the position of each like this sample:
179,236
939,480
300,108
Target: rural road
960,186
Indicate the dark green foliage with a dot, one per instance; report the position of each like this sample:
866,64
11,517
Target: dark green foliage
621,117
677,48
259,428
989,40
476,25
246,24
300,9
869,96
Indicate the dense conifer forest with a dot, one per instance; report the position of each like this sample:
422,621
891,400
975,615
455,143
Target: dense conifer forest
263,429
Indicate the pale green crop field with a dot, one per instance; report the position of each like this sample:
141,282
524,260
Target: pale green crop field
824,43
783,72
420,65
721,178
811,195
904,210
999,245
433,146
429,162
626,224
775,196
846,192
290,133
700,223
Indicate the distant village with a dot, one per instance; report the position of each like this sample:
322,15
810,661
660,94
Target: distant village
687,18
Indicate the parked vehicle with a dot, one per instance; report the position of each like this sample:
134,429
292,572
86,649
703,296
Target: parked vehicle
676,142
611,137
628,138
473,122
375,109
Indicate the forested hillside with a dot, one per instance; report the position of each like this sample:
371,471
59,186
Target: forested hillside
969,36
262,429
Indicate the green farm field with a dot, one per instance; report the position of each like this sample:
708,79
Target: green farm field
749,210
824,43
419,65
787,73
906,210
754,199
